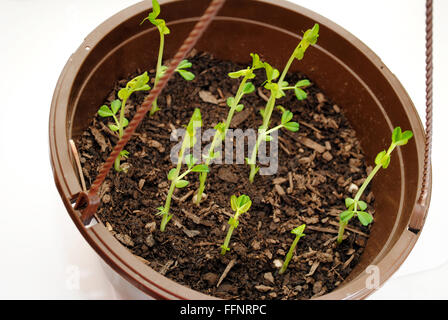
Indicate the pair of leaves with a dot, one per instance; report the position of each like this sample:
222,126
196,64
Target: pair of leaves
256,64
105,112
181,69
299,231
364,217
241,204
287,123
139,83
299,92
401,138
159,23
190,161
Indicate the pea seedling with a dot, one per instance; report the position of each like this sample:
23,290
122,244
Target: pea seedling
277,91
235,106
161,69
356,207
139,83
299,234
240,205
177,179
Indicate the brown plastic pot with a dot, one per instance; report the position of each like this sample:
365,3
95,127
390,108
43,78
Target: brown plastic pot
341,65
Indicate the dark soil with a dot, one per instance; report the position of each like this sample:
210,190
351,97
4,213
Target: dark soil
319,166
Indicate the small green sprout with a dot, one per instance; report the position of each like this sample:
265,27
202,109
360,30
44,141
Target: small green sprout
139,83
299,234
240,205
161,69
277,91
356,207
174,175
235,106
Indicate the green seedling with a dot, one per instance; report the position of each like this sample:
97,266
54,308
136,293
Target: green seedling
139,83
240,205
357,207
234,104
299,234
277,91
174,175
161,69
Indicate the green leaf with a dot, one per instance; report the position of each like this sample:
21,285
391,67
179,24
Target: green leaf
172,174
256,62
181,184
379,157
303,83
300,94
383,159
138,83
113,127
248,88
125,122
362,205
365,218
233,202
239,107
349,202
184,64
396,135
243,203
286,116
187,75
291,126
271,73
115,105
230,101
267,138
346,215
299,230
155,9
244,208
407,135
237,74
105,111
200,168
401,138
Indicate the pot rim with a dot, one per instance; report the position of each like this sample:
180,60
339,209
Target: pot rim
116,255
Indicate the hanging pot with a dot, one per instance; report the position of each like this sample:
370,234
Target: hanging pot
349,73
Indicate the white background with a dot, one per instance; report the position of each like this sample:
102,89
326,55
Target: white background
41,250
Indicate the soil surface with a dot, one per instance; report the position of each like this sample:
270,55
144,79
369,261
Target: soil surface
319,166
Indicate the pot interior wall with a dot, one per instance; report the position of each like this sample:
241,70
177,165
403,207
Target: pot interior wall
352,78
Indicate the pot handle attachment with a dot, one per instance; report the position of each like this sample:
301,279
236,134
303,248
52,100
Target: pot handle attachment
419,215
87,202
